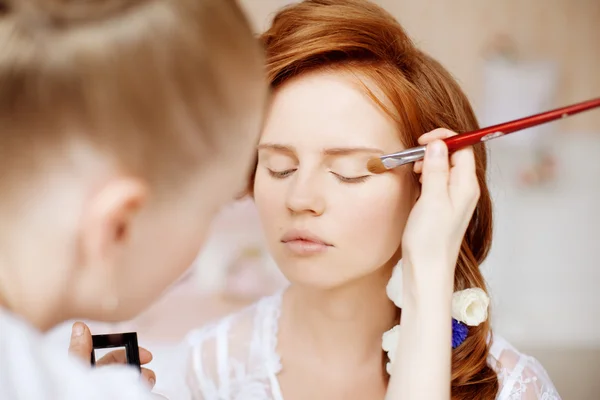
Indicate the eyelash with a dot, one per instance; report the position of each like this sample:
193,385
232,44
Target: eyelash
342,179
358,179
280,174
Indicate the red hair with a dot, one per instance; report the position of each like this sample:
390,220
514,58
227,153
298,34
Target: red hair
362,37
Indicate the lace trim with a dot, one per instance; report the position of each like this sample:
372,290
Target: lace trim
272,332
256,380
520,385
247,384
513,385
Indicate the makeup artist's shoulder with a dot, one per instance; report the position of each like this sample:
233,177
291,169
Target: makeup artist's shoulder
32,367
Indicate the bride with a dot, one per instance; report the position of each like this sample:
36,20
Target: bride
348,84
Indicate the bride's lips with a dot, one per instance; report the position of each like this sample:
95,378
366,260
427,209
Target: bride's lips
304,243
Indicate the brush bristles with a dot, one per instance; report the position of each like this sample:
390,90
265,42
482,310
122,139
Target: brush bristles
375,166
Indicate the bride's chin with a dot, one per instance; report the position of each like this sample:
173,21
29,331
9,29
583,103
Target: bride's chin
321,278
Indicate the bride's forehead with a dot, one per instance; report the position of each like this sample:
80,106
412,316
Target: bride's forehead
327,91
331,110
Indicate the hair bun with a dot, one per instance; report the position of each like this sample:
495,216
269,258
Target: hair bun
72,11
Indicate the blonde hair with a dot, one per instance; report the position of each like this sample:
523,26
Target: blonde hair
150,84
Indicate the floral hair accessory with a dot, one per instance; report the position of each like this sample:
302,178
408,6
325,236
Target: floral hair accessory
394,286
389,344
459,333
469,308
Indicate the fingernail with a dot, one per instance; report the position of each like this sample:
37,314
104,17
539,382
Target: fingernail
437,149
77,330
152,381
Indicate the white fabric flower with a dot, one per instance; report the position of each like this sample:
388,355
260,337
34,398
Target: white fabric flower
470,306
390,339
394,286
389,344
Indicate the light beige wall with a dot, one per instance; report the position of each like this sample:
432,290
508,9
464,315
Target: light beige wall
457,33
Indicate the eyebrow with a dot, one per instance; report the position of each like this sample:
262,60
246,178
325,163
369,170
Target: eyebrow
334,151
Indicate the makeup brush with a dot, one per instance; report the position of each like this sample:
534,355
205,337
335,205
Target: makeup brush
386,162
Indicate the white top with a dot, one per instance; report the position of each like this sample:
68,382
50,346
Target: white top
236,358
31,368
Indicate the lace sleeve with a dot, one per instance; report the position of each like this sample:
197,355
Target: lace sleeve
521,377
206,364
232,358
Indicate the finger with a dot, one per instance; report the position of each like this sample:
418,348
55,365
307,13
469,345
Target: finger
463,178
435,170
81,345
149,377
120,357
114,357
418,167
145,356
436,134
464,156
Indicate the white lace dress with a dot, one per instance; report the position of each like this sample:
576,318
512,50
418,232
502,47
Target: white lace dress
236,359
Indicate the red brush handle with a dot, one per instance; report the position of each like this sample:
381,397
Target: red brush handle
492,132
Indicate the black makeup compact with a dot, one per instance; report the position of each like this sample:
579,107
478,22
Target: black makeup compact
115,340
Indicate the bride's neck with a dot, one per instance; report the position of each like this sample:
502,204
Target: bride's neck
343,322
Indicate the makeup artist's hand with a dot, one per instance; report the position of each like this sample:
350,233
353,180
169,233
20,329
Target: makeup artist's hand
81,346
449,194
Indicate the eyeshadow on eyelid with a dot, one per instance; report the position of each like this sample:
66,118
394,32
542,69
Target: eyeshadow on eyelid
279,161
280,156
356,164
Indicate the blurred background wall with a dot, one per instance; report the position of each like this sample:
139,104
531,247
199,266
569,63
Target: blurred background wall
513,58
458,33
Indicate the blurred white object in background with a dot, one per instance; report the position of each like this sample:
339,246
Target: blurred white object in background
544,268
516,89
236,245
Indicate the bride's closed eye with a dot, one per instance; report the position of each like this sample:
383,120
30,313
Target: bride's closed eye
356,179
349,170
280,174
344,179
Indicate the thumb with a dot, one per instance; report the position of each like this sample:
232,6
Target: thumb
81,342
436,168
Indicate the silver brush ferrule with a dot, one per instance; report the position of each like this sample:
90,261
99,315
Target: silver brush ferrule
408,156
